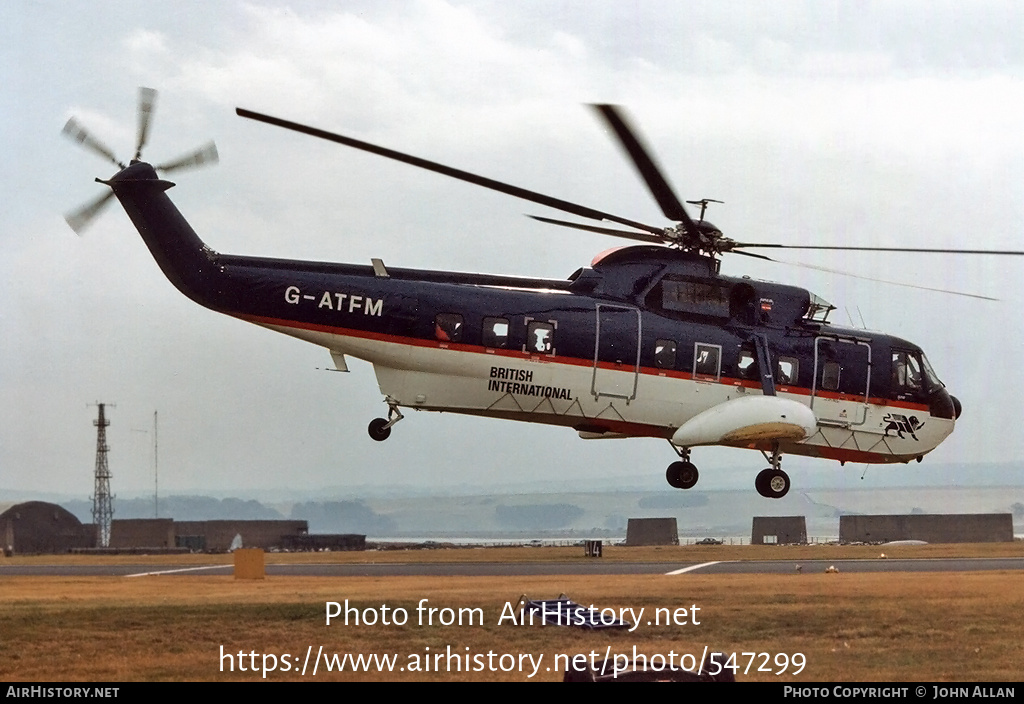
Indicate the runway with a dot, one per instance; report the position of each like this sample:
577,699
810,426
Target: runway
514,569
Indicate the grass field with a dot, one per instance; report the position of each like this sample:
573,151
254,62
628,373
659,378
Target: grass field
683,553
847,627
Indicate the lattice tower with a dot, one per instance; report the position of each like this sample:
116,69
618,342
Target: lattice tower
102,499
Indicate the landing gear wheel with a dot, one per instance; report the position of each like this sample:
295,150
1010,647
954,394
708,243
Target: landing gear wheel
682,475
379,429
772,483
761,480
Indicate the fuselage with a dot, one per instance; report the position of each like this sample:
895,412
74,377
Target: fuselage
641,342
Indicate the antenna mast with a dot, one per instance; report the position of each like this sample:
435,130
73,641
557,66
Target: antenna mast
102,500
156,472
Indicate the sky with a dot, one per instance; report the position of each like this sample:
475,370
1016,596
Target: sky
856,123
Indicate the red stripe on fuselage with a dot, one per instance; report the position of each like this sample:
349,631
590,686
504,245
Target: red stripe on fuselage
575,361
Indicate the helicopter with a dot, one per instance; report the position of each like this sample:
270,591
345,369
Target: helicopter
650,340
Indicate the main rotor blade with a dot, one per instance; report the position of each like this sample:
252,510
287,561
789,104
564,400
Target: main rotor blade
73,130
206,154
147,99
1007,252
645,164
80,219
508,189
803,265
755,256
608,231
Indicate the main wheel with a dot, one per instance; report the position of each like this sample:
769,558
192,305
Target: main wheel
377,429
761,482
772,483
682,475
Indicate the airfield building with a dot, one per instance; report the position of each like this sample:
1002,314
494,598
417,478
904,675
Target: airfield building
41,527
930,528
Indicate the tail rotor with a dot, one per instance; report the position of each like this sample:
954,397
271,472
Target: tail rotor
147,101
75,132
206,154
80,218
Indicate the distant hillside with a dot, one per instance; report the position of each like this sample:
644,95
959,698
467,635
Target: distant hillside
579,514
182,508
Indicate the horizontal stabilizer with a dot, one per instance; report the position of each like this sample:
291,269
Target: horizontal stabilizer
748,419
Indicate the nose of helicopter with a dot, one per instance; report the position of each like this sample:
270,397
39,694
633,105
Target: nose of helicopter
942,404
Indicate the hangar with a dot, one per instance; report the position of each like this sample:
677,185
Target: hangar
41,527
929,528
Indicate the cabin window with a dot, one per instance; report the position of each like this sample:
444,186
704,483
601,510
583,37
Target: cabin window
747,365
540,338
689,296
707,361
787,371
830,376
448,327
495,332
665,354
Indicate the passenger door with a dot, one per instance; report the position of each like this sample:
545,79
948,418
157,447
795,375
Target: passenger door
842,380
616,352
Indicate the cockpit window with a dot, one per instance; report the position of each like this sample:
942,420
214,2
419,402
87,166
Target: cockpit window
929,374
907,375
